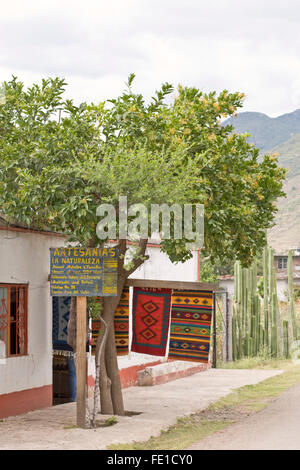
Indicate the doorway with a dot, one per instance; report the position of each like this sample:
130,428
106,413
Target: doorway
63,367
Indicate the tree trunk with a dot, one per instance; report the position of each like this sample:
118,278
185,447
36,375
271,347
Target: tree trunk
113,373
105,388
101,341
111,398
110,384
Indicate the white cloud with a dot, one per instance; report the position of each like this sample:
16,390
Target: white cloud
245,46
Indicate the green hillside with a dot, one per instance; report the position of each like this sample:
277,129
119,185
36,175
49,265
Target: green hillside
286,233
266,132
281,135
289,155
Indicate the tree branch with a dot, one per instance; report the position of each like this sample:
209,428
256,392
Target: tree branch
101,342
139,261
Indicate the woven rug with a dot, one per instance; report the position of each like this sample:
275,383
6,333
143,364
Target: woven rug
191,315
121,325
151,319
61,312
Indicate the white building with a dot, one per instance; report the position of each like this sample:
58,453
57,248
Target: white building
26,361
25,319
281,270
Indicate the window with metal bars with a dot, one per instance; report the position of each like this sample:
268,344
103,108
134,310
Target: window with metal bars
13,319
282,263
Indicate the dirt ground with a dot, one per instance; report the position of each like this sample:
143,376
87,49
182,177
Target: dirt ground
153,409
277,427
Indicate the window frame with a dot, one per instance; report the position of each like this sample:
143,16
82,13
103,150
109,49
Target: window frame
9,286
283,260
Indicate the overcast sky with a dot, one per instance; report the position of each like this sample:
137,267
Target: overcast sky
242,45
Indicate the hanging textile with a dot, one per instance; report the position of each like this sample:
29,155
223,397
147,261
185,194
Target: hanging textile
61,312
121,325
191,315
151,319
96,327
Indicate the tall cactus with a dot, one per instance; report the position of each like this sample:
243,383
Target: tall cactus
291,295
277,313
286,348
266,294
274,330
252,333
270,284
235,355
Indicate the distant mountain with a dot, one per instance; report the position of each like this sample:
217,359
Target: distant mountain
281,135
286,233
289,155
266,133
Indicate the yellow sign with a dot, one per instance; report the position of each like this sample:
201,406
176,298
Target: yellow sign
83,271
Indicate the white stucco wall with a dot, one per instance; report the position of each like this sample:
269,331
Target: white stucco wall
228,285
282,287
282,290
25,258
160,267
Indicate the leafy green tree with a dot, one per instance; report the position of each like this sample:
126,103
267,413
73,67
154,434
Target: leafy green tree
208,272
59,161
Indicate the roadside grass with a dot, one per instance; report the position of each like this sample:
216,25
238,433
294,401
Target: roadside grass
183,434
237,405
258,396
259,362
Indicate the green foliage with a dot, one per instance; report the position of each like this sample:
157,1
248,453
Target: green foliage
208,272
94,307
111,421
260,287
296,292
225,267
59,161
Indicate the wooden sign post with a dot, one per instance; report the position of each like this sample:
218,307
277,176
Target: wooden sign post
81,362
81,273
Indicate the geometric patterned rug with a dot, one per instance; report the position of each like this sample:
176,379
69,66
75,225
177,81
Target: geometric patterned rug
150,320
96,328
121,325
61,312
191,314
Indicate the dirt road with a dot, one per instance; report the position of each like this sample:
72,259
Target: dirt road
158,407
275,427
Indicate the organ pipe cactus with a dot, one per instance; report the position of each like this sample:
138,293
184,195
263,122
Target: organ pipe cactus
286,351
291,295
257,330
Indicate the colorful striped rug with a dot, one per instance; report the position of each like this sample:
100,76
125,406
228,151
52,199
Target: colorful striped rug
151,319
121,324
191,315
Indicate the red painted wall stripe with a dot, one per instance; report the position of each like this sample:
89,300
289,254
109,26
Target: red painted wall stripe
12,404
